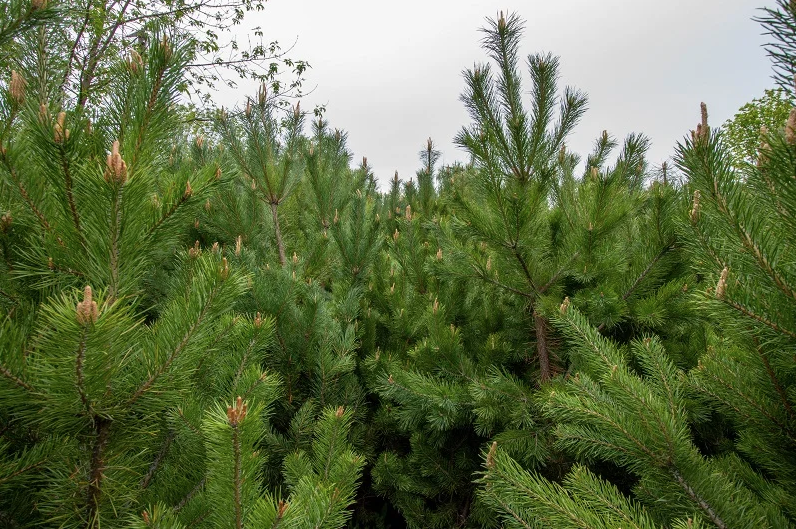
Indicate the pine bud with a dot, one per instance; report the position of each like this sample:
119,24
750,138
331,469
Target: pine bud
395,178
145,516
116,167
297,110
195,251
215,248
390,380
16,87
594,173
262,95
489,263
336,217
435,307
60,132
764,148
248,111
5,222
258,320
721,286
36,5
395,235
392,289
236,415
135,63
564,305
490,457
281,508
86,310
702,128
501,22
238,245
224,273
439,254
790,128
695,208
339,412
166,48
295,258
188,189
218,173
208,206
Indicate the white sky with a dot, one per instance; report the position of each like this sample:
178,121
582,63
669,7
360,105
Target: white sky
390,72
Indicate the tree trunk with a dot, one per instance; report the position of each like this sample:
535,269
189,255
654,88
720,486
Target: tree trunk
540,325
278,230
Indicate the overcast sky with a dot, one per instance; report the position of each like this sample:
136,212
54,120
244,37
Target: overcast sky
389,73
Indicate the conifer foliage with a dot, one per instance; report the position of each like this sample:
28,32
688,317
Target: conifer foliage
224,323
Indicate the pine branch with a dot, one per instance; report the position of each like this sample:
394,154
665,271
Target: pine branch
774,380
706,508
765,321
96,471
188,497
15,379
81,351
237,476
116,225
23,192
174,354
158,460
69,194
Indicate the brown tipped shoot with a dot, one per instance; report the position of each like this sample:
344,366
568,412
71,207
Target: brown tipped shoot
721,286
236,414
16,88
116,167
60,132
490,457
86,310
564,306
695,209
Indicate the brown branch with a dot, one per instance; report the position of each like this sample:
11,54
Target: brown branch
113,288
278,231
158,460
188,497
15,379
774,380
23,470
647,270
96,471
174,354
168,214
68,182
540,326
237,477
706,508
558,274
24,193
768,323
81,353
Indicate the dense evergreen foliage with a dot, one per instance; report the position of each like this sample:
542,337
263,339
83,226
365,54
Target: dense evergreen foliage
224,323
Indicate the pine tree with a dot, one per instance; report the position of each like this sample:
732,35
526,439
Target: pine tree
135,388
632,406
